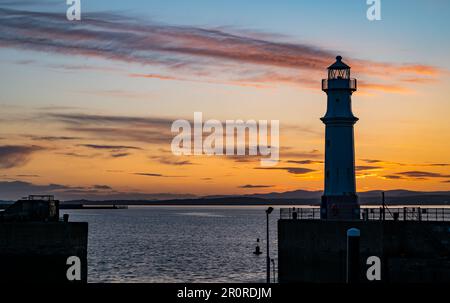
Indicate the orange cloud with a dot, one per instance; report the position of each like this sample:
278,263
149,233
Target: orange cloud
190,50
387,88
155,76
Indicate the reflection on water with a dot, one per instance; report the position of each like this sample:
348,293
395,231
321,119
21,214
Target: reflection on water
177,244
201,214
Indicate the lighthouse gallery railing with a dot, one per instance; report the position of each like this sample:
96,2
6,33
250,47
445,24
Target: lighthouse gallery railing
374,213
339,83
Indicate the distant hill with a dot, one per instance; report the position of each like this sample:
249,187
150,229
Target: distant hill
296,197
370,197
295,194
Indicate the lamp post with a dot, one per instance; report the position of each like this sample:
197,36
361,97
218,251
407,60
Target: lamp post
268,211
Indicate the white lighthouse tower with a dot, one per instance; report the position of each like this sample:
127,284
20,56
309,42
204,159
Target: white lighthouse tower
339,200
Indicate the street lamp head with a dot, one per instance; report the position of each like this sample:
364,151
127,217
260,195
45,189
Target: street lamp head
269,210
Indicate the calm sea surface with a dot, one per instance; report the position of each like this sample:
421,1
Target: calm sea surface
177,243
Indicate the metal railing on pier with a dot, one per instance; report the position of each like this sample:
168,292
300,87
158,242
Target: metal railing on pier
374,213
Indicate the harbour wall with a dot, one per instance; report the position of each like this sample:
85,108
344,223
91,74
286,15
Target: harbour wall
410,251
37,252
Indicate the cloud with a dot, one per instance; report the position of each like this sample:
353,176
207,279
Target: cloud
151,130
291,170
157,175
166,157
304,162
54,107
155,76
415,175
83,68
80,119
244,82
197,51
303,129
13,190
438,164
366,167
23,3
78,155
142,135
16,155
18,189
104,187
52,138
422,174
115,151
247,158
28,176
255,186
171,160
393,177
109,147
24,62
419,80
149,174
387,88
375,161
120,155
372,160
286,152
419,69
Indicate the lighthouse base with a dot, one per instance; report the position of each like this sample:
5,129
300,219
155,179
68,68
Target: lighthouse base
344,207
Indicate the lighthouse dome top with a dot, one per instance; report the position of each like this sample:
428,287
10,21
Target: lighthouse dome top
338,64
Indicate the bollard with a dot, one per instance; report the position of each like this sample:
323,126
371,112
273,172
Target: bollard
396,216
353,259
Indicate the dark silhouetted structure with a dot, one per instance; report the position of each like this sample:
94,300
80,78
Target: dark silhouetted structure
339,200
412,244
35,244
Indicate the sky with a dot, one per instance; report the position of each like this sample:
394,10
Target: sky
87,106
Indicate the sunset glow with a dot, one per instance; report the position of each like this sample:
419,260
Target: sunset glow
87,107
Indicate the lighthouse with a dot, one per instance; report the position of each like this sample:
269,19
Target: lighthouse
339,200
